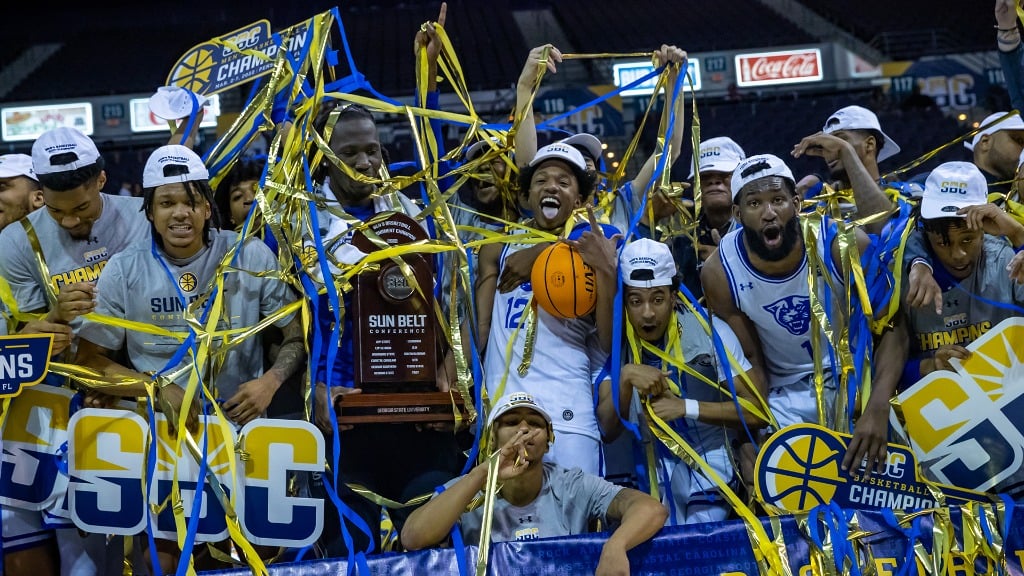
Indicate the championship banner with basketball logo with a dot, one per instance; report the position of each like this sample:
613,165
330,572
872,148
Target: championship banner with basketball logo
236,57
800,467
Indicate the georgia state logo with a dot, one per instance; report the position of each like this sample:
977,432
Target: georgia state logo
792,313
188,281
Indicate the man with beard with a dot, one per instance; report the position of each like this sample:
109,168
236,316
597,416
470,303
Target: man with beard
758,283
75,235
852,144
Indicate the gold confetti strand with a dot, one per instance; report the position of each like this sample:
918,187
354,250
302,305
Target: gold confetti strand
596,55
770,560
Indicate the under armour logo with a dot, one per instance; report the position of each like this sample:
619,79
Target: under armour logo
953,303
525,519
92,240
746,285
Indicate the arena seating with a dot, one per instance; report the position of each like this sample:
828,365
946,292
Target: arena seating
938,30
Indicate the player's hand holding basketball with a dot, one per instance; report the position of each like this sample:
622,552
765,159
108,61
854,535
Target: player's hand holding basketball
518,267
597,250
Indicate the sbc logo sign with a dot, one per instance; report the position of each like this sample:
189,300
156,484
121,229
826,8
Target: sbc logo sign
108,458
24,361
965,426
35,429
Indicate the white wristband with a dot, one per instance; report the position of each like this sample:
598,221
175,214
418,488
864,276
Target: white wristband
692,408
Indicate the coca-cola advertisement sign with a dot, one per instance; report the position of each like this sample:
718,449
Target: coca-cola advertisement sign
770,68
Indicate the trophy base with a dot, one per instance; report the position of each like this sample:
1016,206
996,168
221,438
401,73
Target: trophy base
399,407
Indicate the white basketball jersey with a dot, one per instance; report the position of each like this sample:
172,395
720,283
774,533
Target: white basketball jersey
780,309
560,373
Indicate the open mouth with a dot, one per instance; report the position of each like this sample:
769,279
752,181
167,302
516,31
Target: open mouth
772,236
549,207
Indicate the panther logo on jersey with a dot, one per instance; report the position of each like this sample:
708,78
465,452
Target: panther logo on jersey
792,313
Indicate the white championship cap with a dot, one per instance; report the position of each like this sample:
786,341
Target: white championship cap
588,142
560,151
516,400
647,264
175,102
757,167
860,118
60,141
156,173
1012,123
720,154
952,186
13,165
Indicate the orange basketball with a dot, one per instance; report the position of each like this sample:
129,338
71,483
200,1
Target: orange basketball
563,285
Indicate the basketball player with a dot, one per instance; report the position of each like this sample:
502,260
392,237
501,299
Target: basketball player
758,283
349,189
74,237
537,499
628,197
964,237
154,281
703,416
28,547
852,144
562,357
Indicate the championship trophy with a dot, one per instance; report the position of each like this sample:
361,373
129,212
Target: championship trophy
394,340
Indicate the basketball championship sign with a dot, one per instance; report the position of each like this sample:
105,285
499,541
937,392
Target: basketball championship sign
799,468
965,426
236,57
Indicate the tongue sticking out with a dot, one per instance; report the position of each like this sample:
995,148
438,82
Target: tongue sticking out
549,208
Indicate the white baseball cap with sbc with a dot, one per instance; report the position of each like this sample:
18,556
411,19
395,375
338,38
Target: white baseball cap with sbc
720,154
952,186
560,151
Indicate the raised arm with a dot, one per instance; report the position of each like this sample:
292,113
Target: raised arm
676,59
526,134
870,199
486,286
